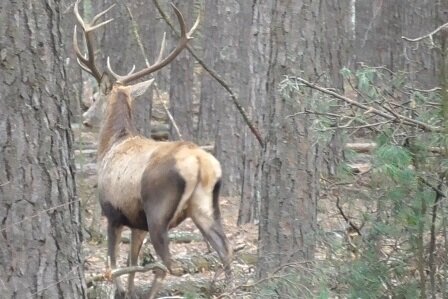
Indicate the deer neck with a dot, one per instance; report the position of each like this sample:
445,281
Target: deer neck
118,123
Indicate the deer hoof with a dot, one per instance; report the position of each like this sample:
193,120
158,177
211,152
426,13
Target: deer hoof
120,292
132,295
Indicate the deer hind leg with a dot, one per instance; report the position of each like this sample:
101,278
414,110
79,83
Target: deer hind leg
205,213
163,189
113,242
160,241
137,237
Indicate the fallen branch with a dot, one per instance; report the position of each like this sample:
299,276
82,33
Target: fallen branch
111,274
170,290
367,147
181,265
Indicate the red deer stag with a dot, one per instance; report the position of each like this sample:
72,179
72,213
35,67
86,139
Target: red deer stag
144,184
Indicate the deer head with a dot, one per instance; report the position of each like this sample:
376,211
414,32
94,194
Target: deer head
109,80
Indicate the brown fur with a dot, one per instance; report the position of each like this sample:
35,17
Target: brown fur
154,186
119,123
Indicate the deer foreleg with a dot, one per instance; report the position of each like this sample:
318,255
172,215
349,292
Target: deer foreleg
137,237
113,242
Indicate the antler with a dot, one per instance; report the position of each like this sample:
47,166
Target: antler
88,63
160,63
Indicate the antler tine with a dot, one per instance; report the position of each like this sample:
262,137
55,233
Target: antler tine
96,18
162,49
87,63
78,16
81,59
181,20
195,25
116,76
160,63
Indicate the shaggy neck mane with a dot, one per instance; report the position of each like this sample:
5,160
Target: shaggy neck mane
118,123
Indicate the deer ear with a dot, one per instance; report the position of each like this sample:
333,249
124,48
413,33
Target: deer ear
105,84
140,88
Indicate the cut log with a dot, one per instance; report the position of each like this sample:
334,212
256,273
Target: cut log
365,147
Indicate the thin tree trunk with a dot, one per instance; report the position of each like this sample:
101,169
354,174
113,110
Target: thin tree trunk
290,170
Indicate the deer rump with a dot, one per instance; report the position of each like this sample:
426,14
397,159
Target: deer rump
146,184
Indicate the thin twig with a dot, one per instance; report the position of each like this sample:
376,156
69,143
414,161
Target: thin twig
341,211
437,190
395,118
142,49
260,281
168,113
424,90
64,279
218,78
4,184
28,218
137,35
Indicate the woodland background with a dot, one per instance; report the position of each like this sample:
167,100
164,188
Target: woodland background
329,118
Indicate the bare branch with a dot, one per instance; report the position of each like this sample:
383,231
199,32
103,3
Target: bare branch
397,118
168,113
218,78
429,35
159,59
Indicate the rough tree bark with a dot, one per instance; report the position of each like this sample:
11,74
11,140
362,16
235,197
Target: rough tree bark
227,53
258,64
380,26
40,229
181,82
290,171
207,117
72,69
336,37
423,63
378,33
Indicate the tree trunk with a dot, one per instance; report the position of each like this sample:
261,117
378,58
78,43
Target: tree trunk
181,82
379,32
224,52
40,228
256,106
290,171
73,70
423,63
